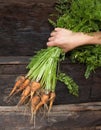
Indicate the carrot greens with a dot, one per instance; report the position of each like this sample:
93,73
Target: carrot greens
81,16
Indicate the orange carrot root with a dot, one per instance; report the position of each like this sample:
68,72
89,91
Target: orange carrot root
51,99
44,100
18,82
34,101
24,95
19,77
23,85
34,87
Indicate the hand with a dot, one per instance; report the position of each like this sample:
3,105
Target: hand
66,39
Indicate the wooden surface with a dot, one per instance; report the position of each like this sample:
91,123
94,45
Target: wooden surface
58,109
85,116
24,26
11,60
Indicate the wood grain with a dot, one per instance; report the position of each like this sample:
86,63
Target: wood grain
83,116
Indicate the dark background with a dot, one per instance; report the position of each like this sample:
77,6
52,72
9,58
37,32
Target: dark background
24,26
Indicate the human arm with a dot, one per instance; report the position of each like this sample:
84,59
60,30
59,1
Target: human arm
68,40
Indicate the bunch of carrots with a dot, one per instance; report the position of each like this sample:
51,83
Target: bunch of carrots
39,84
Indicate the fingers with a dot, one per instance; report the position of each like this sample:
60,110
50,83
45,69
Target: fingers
51,39
62,30
52,36
58,29
53,33
50,43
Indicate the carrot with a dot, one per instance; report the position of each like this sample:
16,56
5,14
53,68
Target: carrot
19,81
34,87
24,95
34,101
51,99
24,84
44,100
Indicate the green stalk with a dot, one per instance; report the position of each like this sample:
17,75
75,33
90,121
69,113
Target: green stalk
43,67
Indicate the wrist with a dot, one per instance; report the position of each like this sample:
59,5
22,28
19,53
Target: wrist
86,39
95,38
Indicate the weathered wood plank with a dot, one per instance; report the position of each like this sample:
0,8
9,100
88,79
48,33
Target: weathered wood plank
11,65
14,60
91,106
22,29
96,87
60,118
14,69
